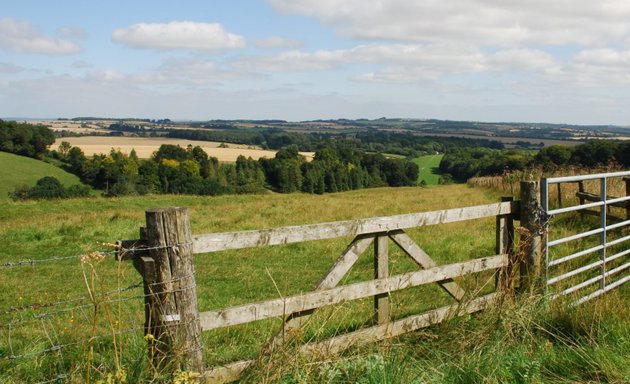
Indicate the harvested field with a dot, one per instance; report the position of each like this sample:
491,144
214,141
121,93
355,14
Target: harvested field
83,127
145,146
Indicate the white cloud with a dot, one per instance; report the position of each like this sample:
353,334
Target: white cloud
81,64
278,42
399,75
480,22
599,67
604,57
428,40
523,59
23,37
418,61
185,35
10,68
106,75
72,33
291,61
190,73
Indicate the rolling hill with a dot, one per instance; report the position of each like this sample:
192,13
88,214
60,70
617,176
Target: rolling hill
19,170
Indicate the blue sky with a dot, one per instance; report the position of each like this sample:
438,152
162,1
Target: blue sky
566,61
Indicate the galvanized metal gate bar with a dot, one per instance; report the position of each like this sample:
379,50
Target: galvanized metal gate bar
603,204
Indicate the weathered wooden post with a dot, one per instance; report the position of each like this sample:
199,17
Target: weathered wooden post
381,270
627,180
580,194
173,328
505,246
532,236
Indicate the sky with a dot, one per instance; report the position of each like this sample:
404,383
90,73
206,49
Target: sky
554,61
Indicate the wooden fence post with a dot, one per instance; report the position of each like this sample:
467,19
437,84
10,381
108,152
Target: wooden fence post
505,245
173,328
381,270
532,236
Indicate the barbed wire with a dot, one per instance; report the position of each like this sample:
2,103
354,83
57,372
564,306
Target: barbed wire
35,317
59,347
32,262
49,324
37,306
59,378
119,250
150,248
66,310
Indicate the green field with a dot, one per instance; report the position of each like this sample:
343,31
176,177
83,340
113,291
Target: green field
17,170
525,343
51,229
429,168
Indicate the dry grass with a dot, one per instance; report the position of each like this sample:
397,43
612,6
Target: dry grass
145,146
84,127
509,183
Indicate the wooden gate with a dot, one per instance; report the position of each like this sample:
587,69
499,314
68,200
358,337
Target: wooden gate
163,256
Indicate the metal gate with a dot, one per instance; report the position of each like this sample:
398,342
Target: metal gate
589,254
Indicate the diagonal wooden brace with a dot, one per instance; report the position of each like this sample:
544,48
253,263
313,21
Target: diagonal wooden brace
332,278
421,258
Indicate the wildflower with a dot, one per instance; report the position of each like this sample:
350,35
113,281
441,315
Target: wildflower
92,256
185,377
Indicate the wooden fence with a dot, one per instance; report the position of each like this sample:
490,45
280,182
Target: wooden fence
163,255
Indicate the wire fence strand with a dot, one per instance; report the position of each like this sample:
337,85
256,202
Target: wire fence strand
61,377
37,316
37,306
52,324
119,250
33,262
58,347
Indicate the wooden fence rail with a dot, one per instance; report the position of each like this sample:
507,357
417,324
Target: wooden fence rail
163,255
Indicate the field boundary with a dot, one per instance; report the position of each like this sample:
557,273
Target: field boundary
174,323
598,262
163,256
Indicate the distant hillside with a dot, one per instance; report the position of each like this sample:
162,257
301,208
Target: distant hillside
19,170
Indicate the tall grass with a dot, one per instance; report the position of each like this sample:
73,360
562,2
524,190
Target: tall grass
523,341
89,327
509,182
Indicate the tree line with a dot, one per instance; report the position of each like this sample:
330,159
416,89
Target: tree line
404,144
173,169
25,139
341,161
466,162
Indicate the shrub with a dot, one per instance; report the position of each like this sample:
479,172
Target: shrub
49,187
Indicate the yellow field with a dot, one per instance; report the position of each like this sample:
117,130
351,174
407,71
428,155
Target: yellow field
84,127
145,146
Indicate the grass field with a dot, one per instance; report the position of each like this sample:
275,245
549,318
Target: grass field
429,168
525,343
19,170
